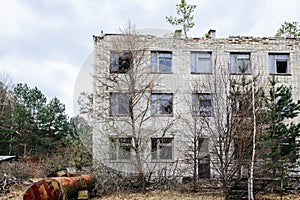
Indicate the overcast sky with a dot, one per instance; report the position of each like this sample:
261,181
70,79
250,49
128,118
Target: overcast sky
45,43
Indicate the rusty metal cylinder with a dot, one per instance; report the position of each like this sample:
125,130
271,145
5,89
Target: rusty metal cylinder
56,188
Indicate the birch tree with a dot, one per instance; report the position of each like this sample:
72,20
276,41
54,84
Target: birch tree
231,128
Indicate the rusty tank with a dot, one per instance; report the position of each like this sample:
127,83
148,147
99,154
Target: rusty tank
59,186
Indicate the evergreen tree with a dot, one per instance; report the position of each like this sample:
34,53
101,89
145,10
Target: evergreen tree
30,125
282,131
186,18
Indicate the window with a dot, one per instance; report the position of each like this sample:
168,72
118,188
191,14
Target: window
241,104
240,63
161,62
204,158
119,104
204,166
161,104
201,62
120,62
279,64
203,145
161,148
120,148
202,104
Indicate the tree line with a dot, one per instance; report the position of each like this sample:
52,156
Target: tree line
31,125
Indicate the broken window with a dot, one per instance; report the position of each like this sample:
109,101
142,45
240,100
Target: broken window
161,104
279,64
201,62
202,104
161,149
161,62
120,148
120,61
240,63
119,104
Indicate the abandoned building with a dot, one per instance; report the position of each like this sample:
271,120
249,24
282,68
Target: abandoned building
153,96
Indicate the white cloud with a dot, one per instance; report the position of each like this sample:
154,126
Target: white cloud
53,77
44,43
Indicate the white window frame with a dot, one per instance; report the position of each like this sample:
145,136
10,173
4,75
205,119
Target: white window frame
238,61
160,103
198,104
158,146
274,58
117,101
119,148
161,62
201,62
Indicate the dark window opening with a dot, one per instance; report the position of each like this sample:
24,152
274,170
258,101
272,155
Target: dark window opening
281,66
120,62
204,167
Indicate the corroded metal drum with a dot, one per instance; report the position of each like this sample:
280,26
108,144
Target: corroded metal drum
56,188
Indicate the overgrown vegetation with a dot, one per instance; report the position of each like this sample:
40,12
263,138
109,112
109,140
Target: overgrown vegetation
38,132
44,139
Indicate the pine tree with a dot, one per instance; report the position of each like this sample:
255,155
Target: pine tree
186,18
282,131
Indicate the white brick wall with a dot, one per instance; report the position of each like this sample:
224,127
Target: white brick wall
181,80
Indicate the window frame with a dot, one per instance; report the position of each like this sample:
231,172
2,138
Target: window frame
158,107
273,58
203,157
197,104
197,59
159,145
236,58
118,148
115,57
116,100
157,66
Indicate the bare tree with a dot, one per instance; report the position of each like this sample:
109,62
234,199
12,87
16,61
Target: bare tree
125,100
196,142
231,126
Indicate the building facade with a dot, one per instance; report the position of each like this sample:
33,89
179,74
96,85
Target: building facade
155,96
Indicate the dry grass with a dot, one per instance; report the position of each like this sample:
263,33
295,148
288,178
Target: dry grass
172,195
166,195
17,193
277,196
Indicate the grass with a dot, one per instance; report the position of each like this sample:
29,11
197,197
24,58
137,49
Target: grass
17,193
166,195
